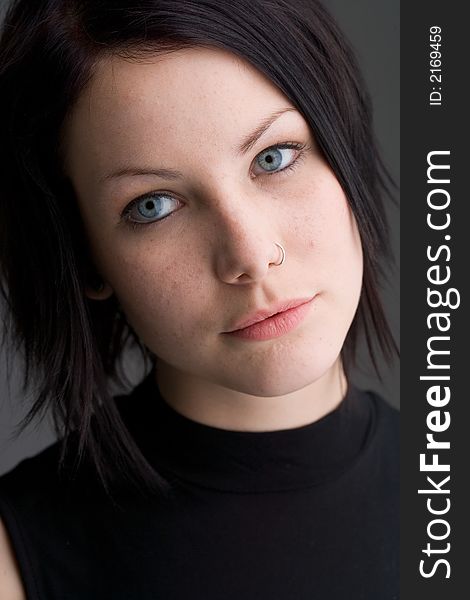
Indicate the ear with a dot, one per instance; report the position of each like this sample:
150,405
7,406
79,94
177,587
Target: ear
100,291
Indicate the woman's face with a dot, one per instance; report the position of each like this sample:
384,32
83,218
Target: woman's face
169,131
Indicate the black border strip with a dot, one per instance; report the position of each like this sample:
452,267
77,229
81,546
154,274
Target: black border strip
425,128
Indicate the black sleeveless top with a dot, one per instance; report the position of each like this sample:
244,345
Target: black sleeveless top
309,513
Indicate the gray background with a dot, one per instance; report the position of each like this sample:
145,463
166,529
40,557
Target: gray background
373,29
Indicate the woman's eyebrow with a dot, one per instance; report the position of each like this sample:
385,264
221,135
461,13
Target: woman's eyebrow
250,140
171,174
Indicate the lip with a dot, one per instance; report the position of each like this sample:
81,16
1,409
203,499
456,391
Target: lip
273,322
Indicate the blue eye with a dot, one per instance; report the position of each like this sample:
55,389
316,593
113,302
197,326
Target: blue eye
277,158
149,208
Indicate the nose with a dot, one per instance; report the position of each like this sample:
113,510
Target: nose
245,249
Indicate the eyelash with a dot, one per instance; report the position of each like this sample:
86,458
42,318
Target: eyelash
301,148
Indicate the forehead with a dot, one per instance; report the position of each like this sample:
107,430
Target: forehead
187,111
195,75
191,92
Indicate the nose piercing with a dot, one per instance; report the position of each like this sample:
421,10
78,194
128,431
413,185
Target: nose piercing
283,255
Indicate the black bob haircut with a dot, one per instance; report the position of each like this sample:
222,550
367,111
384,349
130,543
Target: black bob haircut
48,50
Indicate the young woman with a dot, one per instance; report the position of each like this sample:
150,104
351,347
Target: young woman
199,178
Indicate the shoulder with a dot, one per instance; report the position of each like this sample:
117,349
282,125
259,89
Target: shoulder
34,474
32,496
11,585
19,490
38,486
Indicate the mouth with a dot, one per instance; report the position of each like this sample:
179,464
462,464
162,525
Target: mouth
275,322
265,313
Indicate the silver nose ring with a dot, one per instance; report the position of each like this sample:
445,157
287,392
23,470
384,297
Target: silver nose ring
283,254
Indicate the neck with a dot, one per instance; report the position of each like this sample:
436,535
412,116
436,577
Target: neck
211,404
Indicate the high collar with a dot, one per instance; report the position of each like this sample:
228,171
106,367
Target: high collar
247,462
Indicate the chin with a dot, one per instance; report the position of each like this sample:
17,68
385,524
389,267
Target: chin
284,378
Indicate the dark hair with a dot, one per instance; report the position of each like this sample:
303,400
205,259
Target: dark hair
48,51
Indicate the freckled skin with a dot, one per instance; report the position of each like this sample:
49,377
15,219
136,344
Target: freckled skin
184,280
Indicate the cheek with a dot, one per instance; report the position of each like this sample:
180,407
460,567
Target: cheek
346,263
324,221
159,295
331,241
344,238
